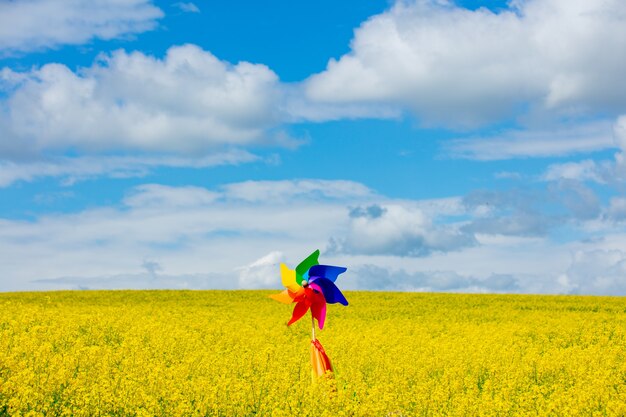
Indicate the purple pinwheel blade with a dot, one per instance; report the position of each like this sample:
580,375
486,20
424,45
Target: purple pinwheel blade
326,271
332,294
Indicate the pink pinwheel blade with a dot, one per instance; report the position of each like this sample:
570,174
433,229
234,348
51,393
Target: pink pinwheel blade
318,309
316,287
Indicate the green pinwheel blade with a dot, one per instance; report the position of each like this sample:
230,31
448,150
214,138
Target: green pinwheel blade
306,265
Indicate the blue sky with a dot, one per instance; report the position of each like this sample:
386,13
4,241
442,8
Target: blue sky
430,145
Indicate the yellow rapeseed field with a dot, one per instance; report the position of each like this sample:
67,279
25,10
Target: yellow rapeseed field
197,353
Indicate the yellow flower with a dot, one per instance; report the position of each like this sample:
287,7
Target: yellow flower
198,353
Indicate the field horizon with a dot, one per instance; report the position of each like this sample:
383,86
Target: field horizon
265,291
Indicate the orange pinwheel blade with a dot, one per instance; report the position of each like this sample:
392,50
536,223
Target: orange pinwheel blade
283,297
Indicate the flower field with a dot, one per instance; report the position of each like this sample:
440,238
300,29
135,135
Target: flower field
229,353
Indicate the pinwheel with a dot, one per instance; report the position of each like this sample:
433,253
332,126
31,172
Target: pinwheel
311,286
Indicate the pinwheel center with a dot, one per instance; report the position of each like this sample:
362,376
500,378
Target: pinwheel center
305,283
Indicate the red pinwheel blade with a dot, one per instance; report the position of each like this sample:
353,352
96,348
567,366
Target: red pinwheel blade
298,311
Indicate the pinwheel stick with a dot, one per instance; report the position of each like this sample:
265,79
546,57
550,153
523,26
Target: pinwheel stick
312,328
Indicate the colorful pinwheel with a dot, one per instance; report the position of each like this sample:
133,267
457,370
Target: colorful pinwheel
311,286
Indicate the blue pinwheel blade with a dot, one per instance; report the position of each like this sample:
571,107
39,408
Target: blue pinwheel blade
332,294
326,271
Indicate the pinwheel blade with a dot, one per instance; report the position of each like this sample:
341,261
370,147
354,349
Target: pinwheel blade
332,294
305,265
298,311
284,297
298,295
318,309
327,271
314,286
288,277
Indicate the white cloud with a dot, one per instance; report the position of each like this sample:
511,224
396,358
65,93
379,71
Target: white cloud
496,264
579,200
617,209
187,7
601,272
502,264
73,169
396,230
603,171
192,237
299,107
583,170
532,212
284,191
513,224
461,67
508,175
188,231
139,281
566,140
261,273
189,101
619,129
152,267
373,277
236,230
265,193
156,195
34,24
514,212
437,207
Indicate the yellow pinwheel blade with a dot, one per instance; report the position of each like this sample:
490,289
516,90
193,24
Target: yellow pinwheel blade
288,276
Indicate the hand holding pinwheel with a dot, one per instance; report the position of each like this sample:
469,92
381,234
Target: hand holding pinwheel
311,285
